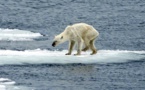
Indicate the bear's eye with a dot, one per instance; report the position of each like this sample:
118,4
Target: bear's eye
61,37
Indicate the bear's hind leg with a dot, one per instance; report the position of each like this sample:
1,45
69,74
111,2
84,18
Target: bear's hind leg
92,47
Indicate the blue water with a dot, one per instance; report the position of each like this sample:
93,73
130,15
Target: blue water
121,24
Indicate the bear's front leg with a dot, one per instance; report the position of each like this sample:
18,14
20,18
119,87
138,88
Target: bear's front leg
71,45
79,48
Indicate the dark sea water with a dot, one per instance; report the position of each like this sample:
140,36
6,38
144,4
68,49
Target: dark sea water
121,24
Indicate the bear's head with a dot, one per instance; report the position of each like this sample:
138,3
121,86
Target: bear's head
62,37
59,39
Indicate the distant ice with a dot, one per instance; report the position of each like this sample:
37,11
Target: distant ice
2,87
58,57
5,83
8,84
17,35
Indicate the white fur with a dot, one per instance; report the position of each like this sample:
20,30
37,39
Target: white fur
78,33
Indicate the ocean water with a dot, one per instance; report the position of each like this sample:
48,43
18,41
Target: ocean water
29,62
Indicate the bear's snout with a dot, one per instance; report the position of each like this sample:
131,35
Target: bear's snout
54,43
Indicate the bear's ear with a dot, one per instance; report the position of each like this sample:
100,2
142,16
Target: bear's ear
61,37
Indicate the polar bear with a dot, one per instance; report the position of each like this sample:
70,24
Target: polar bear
80,33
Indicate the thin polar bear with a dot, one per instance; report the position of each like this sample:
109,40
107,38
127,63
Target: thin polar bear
80,33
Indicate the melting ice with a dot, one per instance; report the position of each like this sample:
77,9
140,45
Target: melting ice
58,57
17,35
